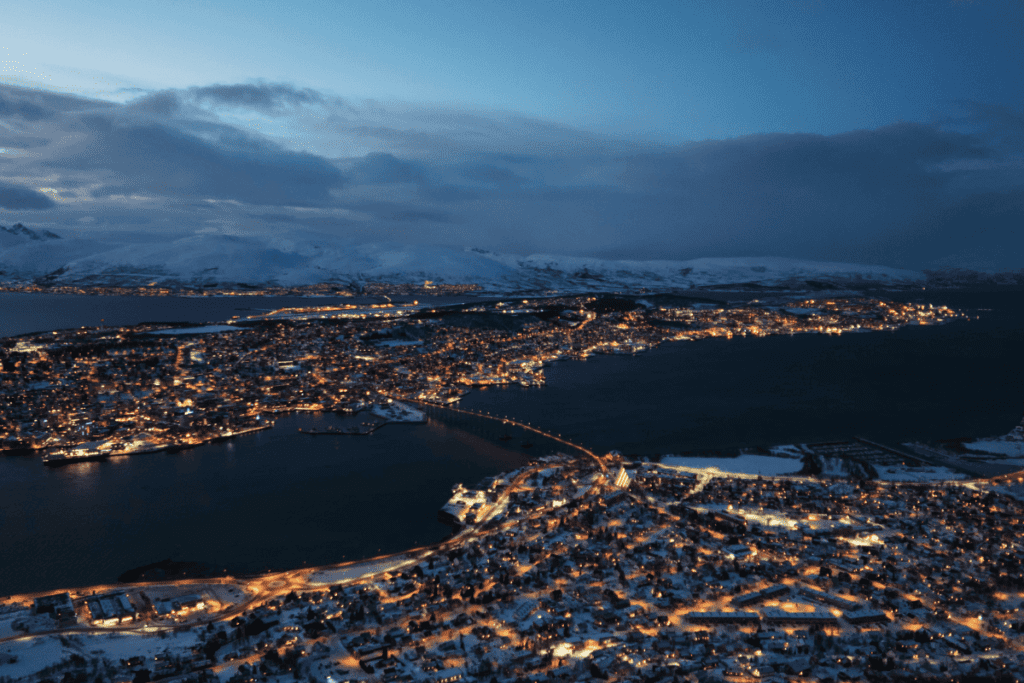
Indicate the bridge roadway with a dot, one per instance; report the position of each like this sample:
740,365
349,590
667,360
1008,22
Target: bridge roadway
510,421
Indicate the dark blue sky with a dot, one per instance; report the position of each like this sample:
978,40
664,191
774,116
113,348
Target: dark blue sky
884,132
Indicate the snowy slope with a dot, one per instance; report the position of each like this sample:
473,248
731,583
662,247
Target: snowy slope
706,272
298,258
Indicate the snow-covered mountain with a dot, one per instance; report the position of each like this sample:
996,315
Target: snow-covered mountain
17,233
297,259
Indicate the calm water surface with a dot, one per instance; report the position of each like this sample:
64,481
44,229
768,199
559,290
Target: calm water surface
271,500
964,379
30,312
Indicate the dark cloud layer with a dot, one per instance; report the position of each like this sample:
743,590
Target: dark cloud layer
162,160
907,194
14,197
493,175
266,97
29,111
379,168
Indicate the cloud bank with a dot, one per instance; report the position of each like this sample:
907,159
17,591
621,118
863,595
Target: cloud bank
270,159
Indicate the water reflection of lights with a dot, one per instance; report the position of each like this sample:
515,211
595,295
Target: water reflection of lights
79,469
83,475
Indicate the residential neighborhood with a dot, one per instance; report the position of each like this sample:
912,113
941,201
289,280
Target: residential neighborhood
594,568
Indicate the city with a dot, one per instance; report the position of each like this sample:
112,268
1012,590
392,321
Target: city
590,567
100,392
511,342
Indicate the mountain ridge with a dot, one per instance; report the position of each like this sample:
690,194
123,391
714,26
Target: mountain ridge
296,258
19,230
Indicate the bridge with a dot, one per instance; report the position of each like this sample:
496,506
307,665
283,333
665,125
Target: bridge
515,423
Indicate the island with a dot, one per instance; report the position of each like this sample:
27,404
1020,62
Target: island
92,393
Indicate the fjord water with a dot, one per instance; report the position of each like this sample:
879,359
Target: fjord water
963,379
24,313
272,500
280,499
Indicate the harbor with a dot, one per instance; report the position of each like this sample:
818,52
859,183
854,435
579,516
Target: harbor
326,499
388,412
103,451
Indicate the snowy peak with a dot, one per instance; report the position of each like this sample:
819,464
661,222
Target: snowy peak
301,258
19,230
752,272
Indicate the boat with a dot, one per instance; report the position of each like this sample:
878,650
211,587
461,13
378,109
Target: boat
505,437
526,444
55,458
367,428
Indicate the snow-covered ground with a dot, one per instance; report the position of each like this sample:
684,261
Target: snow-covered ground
299,257
331,576
398,412
1011,445
930,473
767,465
833,467
787,451
35,654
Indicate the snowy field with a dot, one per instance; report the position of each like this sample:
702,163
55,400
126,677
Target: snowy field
900,473
766,465
787,451
398,412
357,571
34,654
1006,445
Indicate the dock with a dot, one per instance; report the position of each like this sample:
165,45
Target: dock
363,430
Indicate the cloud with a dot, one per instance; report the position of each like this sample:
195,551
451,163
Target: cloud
982,230
812,196
421,216
493,175
162,160
163,103
448,193
906,194
379,168
1001,124
265,97
31,105
16,197
22,109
